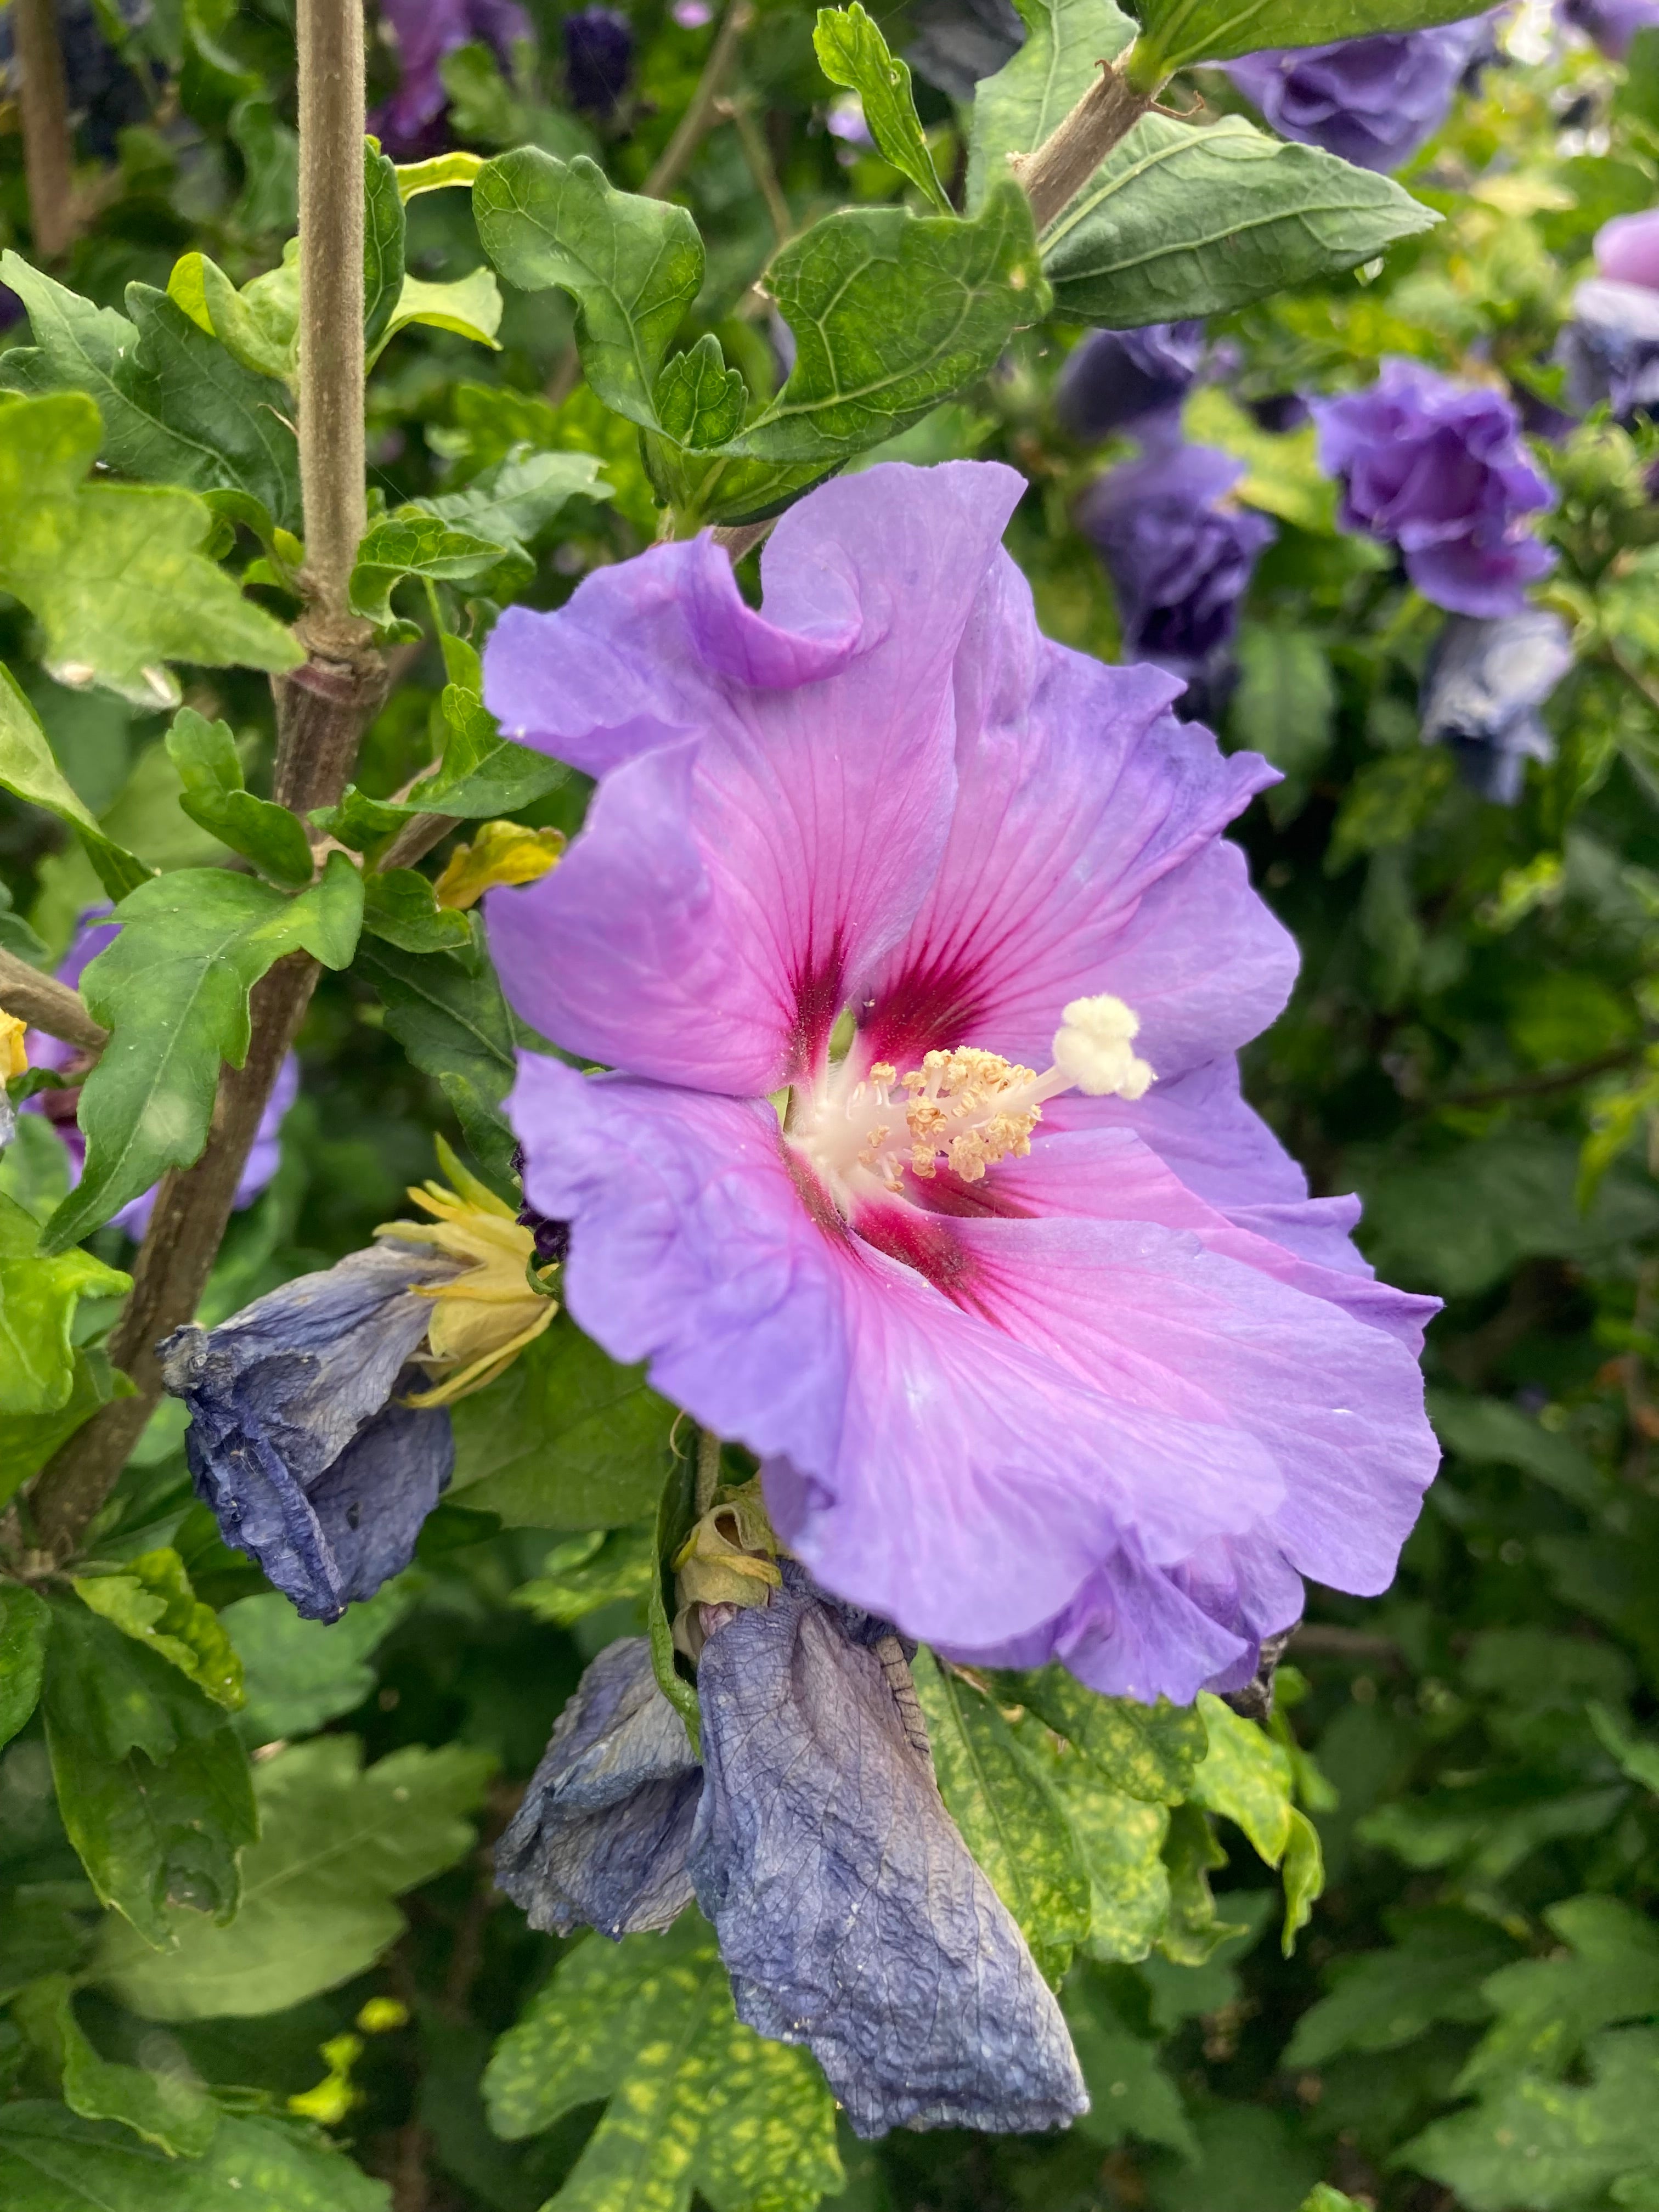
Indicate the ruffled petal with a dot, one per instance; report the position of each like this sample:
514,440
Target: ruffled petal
704,927
850,1913
1078,793
919,1460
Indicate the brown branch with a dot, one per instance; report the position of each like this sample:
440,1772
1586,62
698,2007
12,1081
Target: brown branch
46,1004
758,156
1068,157
693,126
737,538
48,146
1323,1640
416,840
1539,1086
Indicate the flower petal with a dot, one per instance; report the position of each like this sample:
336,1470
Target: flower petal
603,1830
782,849
850,1914
1078,794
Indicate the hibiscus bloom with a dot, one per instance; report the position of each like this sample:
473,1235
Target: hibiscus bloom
923,1171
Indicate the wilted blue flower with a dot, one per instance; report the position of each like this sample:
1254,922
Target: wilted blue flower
1373,101
603,1834
851,1915
424,31
1611,24
93,935
957,42
1481,691
599,60
311,1436
1115,377
1437,468
1180,557
1610,349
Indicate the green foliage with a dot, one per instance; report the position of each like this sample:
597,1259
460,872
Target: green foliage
39,1296
24,1624
199,939
451,1018
1031,95
170,2110
1147,1752
695,2101
337,1843
29,771
852,50
300,1674
1180,220
51,2161
115,572
589,1571
215,795
1174,32
150,1600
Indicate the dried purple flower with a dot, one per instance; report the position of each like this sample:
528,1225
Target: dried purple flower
424,31
1610,349
1116,378
1482,687
1373,101
1437,468
598,60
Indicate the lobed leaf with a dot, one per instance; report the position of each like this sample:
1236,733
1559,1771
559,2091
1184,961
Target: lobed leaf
52,2162
170,2110
852,50
39,1296
410,542
29,771
300,1674
215,795
1148,1751
149,1598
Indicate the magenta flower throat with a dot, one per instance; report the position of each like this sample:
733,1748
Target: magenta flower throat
920,965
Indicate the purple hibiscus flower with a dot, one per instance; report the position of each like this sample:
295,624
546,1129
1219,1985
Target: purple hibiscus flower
1115,377
1611,24
92,935
1060,1362
1482,689
1437,468
1373,101
1181,559
424,31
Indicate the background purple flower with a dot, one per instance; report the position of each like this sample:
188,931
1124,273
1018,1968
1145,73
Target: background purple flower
1373,101
1610,349
1437,468
425,31
1180,559
599,60
1611,23
1482,687
1118,377
1627,249
92,935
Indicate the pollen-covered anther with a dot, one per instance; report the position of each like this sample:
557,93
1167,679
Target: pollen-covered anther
1093,1049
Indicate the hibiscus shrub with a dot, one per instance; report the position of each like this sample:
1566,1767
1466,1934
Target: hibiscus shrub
709,1494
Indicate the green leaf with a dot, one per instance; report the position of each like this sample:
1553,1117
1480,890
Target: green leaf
1174,32
178,407
696,2100
400,906
1302,1871
51,2161
469,306
29,771
1639,1759
38,1299
257,325
409,541
584,1572
565,1439
173,990
1192,1853
1014,111
700,402
170,2110
891,313
1129,2093
300,1674
113,572
149,1598
433,174
632,265
1283,476
383,246
27,1441
852,51
24,1622
481,773
1389,800
152,1783
1120,1841
1250,1780
336,1845
1148,1751
215,795
455,1025
1284,708
1180,220
515,501
1379,2000
1010,1816
1548,2008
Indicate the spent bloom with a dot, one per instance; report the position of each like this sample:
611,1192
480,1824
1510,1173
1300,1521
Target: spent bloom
599,60
1437,468
1610,349
423,32
1611,24
92,935
1181,556
319,1431
920,965
1372,101
1116,378
1482,687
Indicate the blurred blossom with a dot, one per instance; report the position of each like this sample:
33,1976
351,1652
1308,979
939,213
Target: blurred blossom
598,60
1180,557
424,31
692,14
957,42
1627,249
1482,687
1281,411
844,118
1611,24
92,936
1437,468
1373,101
1611,348
1115,377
